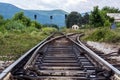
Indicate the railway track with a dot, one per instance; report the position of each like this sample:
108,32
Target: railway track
60,58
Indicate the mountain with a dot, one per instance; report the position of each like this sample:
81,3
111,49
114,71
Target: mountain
43,16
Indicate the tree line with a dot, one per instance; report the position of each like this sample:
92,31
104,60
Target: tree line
19,22
96,18
77,18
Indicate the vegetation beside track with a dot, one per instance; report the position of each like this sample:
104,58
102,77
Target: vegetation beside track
96,25
19,34
16,43
102,35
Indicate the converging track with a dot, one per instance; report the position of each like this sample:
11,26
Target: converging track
58,58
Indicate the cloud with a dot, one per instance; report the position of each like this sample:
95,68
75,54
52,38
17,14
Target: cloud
67,5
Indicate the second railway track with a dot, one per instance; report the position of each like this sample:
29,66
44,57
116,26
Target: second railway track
59,59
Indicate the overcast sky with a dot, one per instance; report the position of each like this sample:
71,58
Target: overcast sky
67,5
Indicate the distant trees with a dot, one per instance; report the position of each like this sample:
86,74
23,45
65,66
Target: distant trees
107,9
18,22
96,19
99,18
85,19
25,20
76,18
73,18
110,9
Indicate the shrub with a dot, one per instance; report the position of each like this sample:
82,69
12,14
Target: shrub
118,24
103,35
1,38
48,30
14,25
31,29
2,29
2,21
107,23
36,24
51,25
22,18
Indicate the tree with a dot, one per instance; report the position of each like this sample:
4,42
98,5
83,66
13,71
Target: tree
22,18
96,18
73,18
85,19
107,9
110,9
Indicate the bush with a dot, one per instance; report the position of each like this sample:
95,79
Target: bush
1,38
48,30
22,18
14,25
51,25
104,35
2,21
107,23
36,24
31,29
118,24
3,29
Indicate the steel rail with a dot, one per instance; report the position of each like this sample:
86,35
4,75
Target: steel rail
36,51
44,42
34,54
98,58
36,48
8,69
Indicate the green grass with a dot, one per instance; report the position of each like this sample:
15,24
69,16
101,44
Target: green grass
103,35
16,42
19,34
65,30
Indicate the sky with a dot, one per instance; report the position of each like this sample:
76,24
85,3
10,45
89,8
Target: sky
81,6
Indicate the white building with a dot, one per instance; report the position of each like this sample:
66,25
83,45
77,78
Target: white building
75,27
116,16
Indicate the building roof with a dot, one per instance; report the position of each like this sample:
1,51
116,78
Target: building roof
116,16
